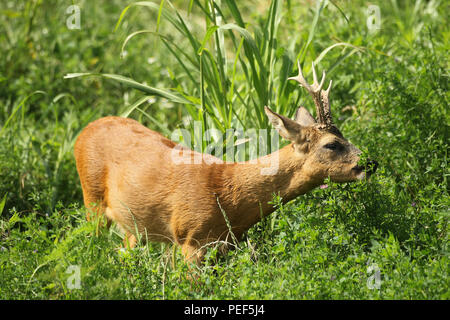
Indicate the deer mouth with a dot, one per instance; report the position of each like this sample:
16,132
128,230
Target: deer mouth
367,170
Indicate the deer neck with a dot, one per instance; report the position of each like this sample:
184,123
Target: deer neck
249,186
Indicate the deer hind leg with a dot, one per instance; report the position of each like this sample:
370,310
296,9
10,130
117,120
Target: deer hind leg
95,209
92,177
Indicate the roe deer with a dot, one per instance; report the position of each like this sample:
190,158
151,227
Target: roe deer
128,172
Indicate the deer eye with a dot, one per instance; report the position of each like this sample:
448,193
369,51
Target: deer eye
333,146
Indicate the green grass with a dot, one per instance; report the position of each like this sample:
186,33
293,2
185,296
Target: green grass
390,98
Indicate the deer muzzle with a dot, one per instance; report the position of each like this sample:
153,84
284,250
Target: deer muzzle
367,170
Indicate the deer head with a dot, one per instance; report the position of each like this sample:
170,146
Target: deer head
322,147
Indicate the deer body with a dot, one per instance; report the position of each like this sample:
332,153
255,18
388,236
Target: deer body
128,174
126,171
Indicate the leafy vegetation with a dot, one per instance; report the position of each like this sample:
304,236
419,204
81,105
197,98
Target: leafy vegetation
171,63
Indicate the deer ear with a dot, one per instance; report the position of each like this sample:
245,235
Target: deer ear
303,117
286,127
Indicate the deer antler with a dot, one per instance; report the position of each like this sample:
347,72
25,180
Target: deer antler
320,97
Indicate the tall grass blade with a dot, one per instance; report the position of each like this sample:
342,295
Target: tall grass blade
312,30
135,85
340,10
18,107
326,50
2,203
134,106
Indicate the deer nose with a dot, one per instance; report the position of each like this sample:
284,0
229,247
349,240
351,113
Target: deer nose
371,166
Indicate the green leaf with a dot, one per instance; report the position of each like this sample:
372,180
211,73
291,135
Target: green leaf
2,203
208,35
17,108
326,50
340,10
135,85
126,113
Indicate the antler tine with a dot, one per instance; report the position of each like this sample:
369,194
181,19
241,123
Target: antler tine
329,87
325,95
300,78
314,74
317,87
319,96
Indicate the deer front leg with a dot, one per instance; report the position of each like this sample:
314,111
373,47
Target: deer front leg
129,241
193,253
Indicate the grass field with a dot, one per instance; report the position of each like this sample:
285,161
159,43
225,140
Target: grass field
168,64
